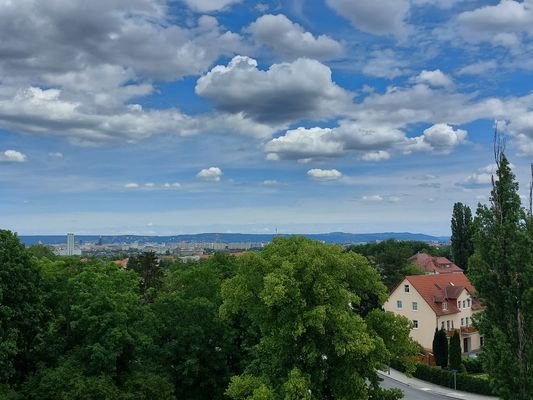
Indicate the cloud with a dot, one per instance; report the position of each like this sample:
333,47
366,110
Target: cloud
302,143
131,185
385,64
356,135
285,92
210,174
434,78
171,185
376,198
379,155
203,6
55,155
380,17
478,68
271,182
373,198
50,112
476,180
371,142
12,156
441,138
502,24
324,174
69,36
289,39
481,178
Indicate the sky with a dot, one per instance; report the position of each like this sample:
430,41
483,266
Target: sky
163,117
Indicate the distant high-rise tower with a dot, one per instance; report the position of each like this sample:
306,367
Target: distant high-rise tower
70,244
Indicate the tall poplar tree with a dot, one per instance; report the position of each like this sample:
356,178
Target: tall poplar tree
462,232
501,269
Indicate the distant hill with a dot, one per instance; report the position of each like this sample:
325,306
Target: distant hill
333,237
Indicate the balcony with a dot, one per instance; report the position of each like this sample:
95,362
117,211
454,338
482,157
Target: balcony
468,330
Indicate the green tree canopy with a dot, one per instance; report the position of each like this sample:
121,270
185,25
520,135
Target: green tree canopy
501,269
306,299
391,258
462,235
20,309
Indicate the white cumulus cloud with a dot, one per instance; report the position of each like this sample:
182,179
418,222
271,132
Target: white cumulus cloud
12,156
435,78
324,174
213,174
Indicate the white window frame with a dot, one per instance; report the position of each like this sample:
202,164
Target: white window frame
414,306
406,288
445,306
415,324
399,305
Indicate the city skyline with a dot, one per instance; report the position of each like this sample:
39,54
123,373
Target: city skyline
162,118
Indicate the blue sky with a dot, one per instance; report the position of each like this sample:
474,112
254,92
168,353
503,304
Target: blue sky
184,116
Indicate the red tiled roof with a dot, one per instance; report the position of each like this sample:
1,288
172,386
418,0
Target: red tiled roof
434,265
439,288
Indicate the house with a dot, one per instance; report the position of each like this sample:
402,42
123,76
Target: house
434,265
437,301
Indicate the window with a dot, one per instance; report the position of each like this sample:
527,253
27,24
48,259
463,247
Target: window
464,303
442,325
458,304
415,324
468,302
406,288
444,306
414,305
462,321
447,325
466,321
399,305
481,341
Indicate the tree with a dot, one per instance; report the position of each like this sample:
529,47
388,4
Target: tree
305,298
501,269
391,259
440,348
20,309
462,235
147,266
454,351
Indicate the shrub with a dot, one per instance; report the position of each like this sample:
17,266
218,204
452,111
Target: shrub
473,365
444,377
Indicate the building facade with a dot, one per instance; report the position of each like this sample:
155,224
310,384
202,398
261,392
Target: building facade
438,301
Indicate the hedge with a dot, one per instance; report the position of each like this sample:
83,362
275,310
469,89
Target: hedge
444,377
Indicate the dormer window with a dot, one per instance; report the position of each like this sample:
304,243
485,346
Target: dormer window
406,288
445,306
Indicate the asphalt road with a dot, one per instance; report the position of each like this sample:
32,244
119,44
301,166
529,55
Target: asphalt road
409,392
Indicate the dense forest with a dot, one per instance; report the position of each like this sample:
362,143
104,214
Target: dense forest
299,320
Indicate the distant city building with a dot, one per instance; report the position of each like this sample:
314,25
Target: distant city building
70,244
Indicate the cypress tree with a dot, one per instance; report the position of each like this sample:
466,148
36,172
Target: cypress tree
501,269
454,351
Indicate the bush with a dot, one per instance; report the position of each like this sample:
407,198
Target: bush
473,365
444,377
